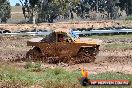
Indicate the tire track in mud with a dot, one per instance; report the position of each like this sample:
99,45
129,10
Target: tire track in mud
12,48
118,40
115,55
119,60
108,60
15,48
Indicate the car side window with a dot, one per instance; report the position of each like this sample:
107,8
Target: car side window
50,38
63,38
60,38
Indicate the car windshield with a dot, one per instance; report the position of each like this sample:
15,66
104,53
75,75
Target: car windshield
74,35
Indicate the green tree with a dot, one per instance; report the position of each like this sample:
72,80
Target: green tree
48,10
5,10
127,6
17,4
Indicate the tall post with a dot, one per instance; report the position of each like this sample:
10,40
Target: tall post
97,9
35,14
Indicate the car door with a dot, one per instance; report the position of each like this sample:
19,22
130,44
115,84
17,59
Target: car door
66,47
48,45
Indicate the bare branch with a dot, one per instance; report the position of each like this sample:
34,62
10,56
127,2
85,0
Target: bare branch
21,2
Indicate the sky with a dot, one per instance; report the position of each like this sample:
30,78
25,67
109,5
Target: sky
13,2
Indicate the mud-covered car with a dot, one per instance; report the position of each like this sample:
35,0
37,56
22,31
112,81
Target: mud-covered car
63,46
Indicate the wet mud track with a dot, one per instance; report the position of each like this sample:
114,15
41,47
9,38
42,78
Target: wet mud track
12,48
120,60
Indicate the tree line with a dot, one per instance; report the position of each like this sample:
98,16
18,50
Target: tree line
50,10
5,10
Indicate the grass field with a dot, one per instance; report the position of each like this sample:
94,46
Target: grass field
118,41
34,75
16,14
12,77
111,36
16,9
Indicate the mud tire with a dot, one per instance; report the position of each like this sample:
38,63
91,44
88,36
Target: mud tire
84,57
34,54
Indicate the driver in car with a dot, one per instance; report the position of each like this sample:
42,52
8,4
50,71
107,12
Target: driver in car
61,38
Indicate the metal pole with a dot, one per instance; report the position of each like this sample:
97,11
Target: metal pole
97,9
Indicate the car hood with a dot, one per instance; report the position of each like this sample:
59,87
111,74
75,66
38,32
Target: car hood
88,41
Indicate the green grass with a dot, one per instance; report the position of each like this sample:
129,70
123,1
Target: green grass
129,18
28,77
114,45
51,78
110,36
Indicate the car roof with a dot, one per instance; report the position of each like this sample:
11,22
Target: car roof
59,30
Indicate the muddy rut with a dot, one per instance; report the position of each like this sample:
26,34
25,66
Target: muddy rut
14,49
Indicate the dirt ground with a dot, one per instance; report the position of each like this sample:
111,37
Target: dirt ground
66,25
119,60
